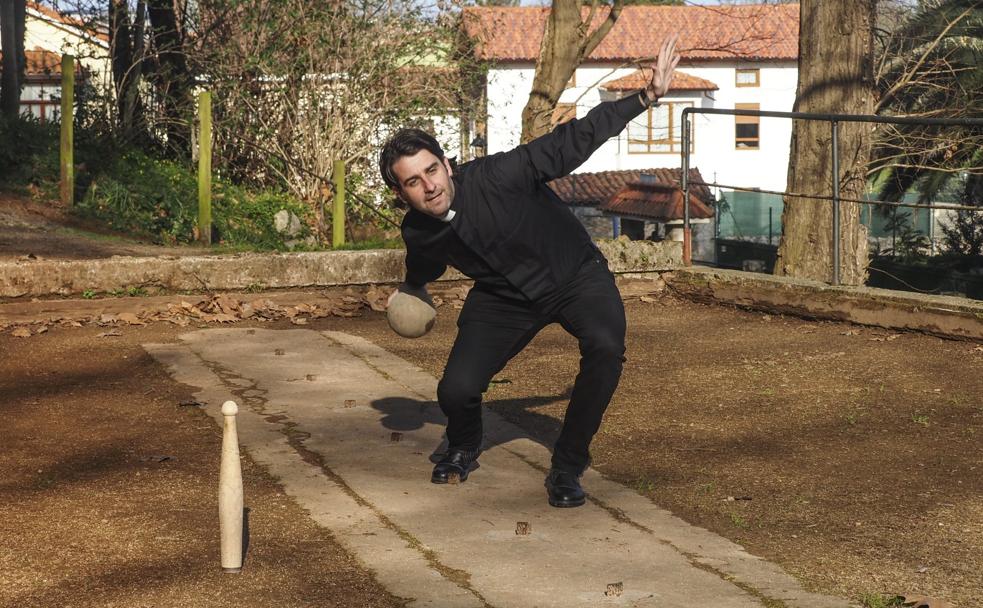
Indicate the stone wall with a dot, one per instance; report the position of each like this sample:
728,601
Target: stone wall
20,278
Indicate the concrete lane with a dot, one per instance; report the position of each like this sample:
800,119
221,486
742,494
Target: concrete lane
349,429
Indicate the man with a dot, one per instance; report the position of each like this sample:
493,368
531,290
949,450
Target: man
533,264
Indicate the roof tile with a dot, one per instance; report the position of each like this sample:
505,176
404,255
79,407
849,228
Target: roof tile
681,81
591,189
40,62
655,201
750,32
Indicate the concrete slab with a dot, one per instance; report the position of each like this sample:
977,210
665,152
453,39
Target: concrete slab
348,428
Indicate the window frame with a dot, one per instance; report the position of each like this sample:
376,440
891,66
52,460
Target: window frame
747,120
675,146
757,77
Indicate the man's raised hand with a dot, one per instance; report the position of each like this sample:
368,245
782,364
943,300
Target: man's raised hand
662,70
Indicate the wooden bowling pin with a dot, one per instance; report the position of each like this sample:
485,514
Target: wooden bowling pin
230,492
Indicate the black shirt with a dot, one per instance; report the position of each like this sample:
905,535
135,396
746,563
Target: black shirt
512,232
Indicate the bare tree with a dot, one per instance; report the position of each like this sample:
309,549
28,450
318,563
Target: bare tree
569,38
301,85
127,49
835,76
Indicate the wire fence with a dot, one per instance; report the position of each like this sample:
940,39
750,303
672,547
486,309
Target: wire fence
834,195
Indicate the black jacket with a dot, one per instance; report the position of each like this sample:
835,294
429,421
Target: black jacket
509,218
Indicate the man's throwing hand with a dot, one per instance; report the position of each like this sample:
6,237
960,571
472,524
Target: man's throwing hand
661,71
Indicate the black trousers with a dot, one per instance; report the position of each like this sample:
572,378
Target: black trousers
492,329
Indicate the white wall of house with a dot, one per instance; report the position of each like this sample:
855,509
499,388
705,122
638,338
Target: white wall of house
92,53
40,31
715,152
447,132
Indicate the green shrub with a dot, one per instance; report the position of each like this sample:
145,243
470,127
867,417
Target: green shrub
155,198
246,219
141,195
28,153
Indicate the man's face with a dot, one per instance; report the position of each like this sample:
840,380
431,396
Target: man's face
425,183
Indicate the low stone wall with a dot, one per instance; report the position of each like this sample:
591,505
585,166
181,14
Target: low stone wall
198,273
939,315
40,278
627,256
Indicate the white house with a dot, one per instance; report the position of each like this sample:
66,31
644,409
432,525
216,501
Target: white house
47,36
739,56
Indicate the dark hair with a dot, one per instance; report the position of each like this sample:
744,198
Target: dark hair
406,142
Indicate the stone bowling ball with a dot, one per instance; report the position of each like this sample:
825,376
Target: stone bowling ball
410,316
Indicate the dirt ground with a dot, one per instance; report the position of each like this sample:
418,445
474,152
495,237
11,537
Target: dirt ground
848,455
108,491
37,228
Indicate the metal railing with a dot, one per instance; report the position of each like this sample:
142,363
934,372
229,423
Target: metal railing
834,120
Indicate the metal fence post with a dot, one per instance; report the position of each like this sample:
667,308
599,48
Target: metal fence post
67,130
836,202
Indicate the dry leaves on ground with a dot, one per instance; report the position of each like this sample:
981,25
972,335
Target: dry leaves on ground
225,308
228,308
886,338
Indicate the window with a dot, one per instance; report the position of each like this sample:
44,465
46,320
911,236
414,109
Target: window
749,77
746,132
659,130
564,112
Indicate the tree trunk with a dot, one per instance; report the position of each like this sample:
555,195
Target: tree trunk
121,53
566,42
20,23
835,76
131,108
10,84
172,78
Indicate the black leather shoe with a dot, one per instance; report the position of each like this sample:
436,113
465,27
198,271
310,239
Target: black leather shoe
455,466
563,489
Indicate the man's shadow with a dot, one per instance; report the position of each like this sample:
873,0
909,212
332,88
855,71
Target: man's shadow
404,414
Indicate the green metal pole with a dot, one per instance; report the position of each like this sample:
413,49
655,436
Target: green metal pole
205,167
67,135
338,212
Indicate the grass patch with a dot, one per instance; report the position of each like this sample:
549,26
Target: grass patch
877,600
921,419
738,521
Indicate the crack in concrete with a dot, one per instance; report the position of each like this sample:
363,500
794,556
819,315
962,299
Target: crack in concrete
296,438
364,359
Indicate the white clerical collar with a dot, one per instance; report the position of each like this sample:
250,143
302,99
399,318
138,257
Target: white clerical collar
448,216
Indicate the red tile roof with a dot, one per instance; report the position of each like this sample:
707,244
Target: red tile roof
655,201
705,32
43,63
591,189
681,81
